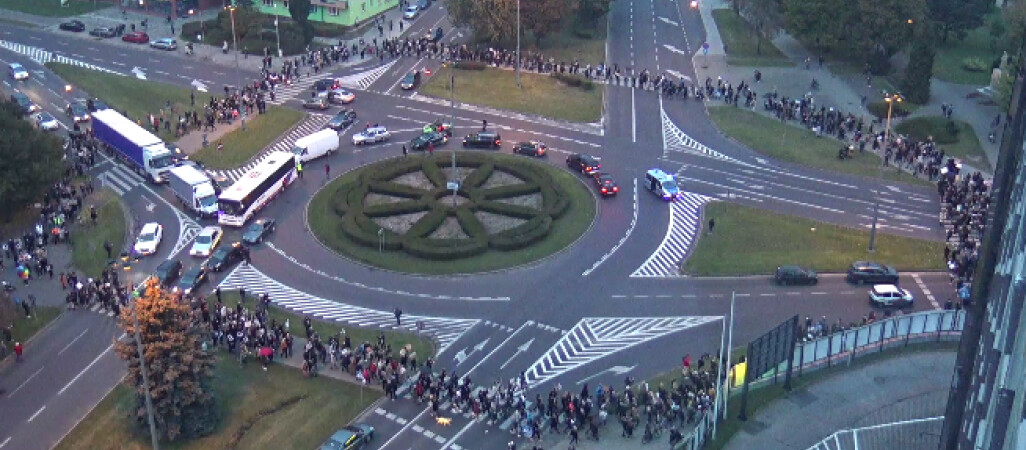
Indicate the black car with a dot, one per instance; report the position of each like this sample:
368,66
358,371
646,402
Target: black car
411,80
421,142
323,85
257,230
343,119
168,272
434,36
530,148
485,139
103,32
423,4
606,184
585,164
95,104
871,272
223,257
788,275
27,107
78,111
73,25
191,280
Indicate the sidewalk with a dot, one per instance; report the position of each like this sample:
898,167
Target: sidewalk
911,386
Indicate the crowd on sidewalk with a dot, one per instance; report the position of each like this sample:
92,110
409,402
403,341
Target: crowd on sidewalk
965,201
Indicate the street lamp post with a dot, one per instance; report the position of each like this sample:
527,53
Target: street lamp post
518,45
238,71
277,35
145,379
891,99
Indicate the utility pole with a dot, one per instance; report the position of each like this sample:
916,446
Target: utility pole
238,72
277,35
891,99
145,378
518,45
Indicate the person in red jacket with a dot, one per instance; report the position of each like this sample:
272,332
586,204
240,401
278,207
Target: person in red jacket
18,350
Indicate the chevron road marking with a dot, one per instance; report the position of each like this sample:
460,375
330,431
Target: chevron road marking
42,56
444,330
675,140
363,80
312,123
680,234
595,337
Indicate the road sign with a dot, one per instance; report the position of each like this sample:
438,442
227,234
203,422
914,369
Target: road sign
705,48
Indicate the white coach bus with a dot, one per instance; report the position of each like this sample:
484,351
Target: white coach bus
256,188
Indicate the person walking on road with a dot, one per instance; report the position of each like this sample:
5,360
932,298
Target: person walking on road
398,316
18,350
299,169
327,171
405,152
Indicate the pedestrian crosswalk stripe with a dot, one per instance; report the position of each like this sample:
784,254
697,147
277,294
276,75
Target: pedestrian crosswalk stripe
309,125
43,56
685,214
120,179
286,92
365,79
444,330
675,140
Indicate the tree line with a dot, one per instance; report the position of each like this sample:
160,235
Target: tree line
495,21
31,160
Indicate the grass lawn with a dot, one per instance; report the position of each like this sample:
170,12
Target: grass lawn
131,96
53,8
540,94
242,392
964,144
948,63
744,46
762,397
26,327
753,241
797,145
324,223
240,146
424,347
568,46
88,255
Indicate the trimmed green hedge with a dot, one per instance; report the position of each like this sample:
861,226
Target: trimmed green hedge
522,235
395,209
479,176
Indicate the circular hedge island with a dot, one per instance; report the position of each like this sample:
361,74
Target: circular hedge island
400,214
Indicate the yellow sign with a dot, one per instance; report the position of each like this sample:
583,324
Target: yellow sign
737,374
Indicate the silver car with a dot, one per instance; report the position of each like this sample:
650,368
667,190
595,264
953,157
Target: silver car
165,44
371,135
47,122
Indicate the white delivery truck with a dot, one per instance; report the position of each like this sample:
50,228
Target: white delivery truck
194,189
315,145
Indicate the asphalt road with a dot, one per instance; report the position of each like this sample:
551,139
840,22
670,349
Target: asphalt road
562,321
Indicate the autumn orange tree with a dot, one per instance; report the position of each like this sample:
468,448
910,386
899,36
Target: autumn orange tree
178,368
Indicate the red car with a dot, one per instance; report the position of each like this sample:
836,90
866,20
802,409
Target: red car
137,37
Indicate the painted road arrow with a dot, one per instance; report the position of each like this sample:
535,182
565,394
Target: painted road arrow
618,370
139,73
463,355
675,49
520,349
199,85
669,21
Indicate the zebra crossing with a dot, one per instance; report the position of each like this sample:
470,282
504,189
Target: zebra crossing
596,337
284,93
120,179
675,140
444,330
312,123
43,56
363,80
360,80
685,217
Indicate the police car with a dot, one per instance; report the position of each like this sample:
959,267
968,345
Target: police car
662,184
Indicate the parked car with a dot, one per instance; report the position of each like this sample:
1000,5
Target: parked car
371,135
136,37
342,119
168,272
191,280
582,163
73,25
410,81
149,239
103,32
890,295
18,72
485,139
353,437
224,257
318,103
78,111
788,275
46,121
410,12
257,230
870,272
421,143
530,148
165,44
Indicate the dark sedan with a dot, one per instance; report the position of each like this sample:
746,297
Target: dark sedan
78,111
168,272
530,148
223,257
73,25
103,32
421,142
353,437
343,119
606,184
192,280
788,275
257,230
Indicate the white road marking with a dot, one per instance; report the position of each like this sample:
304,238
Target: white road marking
401,430
23,383
41,408
449,444
634,119
634,221
926,291
90,366
66,347
2,444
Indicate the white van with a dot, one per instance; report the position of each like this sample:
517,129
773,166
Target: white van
316,145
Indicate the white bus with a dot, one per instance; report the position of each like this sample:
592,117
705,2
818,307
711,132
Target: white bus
273,174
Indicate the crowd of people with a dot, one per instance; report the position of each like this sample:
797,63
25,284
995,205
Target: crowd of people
965,200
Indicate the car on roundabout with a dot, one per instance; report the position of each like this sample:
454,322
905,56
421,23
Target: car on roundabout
103,32
439,127
886,295
606,185
371,135
410,81
352,437
338,96
78,111
316,102
168,272
422,142
342,119
149,239
871,272
583,163
165,44
258,230
206,241
95,104
323,85
224,257
191,280
73,25
136,37
46,121
791,274
484,139
530,148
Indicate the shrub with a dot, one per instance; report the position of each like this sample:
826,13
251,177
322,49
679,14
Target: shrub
975,64
432,172
427,224
942,131
395,209
512,190
878,108
394,189
351,228
507,209
469,65
568,79
522,235
444,249
470,224
479,176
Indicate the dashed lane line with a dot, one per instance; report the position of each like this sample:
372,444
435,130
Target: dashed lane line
926,291
630,229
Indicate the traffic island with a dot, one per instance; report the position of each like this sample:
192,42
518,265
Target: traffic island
750,241
276,408
567,97
403,214
88,254
242,145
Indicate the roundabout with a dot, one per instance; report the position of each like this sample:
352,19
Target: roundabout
420,215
